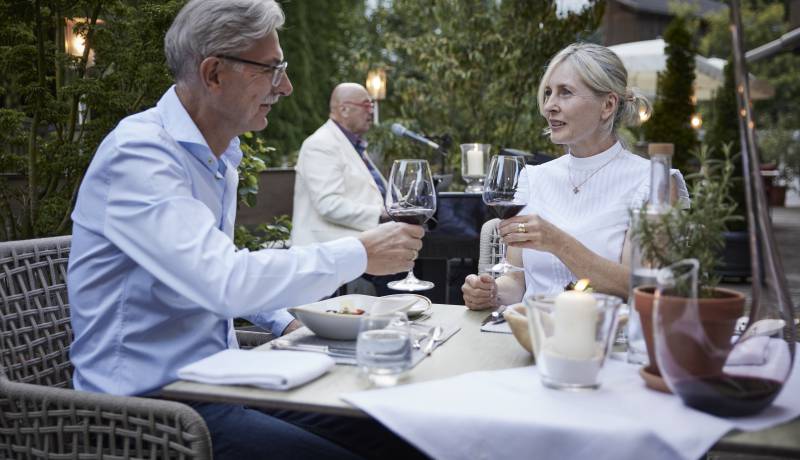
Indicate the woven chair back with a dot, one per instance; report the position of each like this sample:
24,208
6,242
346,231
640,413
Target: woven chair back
35,331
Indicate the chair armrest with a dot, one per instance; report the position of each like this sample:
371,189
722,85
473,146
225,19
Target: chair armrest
37,419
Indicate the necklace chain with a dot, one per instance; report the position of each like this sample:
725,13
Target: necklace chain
577,188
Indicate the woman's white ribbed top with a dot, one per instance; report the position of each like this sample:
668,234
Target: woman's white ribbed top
597,216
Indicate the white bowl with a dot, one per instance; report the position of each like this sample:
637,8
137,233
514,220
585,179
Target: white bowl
324,323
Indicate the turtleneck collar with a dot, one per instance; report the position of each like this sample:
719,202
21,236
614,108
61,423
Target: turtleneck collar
596,160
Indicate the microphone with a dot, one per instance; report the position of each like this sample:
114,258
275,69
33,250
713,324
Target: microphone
401,131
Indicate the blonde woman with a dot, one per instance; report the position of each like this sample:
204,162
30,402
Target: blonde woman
576,221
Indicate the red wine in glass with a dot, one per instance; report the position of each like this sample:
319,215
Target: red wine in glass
503,205
410,198
413,216
505,192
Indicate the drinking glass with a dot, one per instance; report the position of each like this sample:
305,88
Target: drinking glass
410,198
505,192
383,347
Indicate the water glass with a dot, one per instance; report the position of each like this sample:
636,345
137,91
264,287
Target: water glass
383,348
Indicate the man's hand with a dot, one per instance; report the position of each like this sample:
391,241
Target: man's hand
480,292
392,247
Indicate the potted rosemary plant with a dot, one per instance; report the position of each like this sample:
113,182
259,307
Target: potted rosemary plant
695,233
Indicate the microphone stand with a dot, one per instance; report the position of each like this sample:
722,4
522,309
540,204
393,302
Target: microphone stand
443,179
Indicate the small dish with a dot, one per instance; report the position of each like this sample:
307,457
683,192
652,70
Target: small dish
324,320
653,381
418,308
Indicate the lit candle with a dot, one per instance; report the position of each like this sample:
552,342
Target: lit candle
475,162
575,325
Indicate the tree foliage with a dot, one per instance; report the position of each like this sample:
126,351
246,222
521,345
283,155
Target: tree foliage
56,108
466,68
315,40
673,109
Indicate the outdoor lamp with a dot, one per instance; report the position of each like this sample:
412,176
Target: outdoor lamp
697,121
75,43
376,87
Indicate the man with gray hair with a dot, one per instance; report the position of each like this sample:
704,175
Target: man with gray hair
154,277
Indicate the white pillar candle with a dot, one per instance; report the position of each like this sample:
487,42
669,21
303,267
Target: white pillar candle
575,325
475,162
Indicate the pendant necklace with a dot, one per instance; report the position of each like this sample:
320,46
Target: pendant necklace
577,188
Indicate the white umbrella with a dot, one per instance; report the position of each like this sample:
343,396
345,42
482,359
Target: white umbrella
645,59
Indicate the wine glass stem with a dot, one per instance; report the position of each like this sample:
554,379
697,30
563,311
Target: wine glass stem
503,251
410,276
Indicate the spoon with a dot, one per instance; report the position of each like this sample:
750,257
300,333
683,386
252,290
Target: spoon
436,336
418,341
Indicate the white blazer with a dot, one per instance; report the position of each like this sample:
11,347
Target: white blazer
334,193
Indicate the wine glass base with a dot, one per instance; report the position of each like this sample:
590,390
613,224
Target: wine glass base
502,268
411,286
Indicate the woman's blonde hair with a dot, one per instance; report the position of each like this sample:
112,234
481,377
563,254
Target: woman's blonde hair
603,72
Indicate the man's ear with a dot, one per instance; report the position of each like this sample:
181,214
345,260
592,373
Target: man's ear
610,104
210,69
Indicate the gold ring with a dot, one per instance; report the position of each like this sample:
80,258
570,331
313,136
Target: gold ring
521,228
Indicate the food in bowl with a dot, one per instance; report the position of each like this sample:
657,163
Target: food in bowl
346,308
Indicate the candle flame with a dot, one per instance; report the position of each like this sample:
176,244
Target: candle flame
582,284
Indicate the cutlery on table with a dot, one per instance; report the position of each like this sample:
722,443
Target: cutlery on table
495,317
346,352
417,344
436,336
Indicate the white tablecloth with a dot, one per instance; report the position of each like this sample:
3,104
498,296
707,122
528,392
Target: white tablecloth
510,414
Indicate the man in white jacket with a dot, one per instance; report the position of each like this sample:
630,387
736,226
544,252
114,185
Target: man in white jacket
338,191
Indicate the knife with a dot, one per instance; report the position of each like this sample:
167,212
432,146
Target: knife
329,350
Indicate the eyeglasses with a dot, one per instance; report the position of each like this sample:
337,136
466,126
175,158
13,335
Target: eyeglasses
366,105
279,70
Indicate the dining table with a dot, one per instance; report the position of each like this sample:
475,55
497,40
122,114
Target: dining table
469,350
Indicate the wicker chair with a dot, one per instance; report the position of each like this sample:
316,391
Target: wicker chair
489,249
41,416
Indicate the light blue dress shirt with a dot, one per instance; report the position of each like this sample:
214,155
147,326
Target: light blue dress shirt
154,278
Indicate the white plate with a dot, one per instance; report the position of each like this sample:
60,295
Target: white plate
421,306
338,326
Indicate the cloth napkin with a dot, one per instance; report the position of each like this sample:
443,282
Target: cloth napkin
621,420
273,370
502,328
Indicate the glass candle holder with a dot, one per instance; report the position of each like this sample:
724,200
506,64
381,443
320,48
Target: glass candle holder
572,334
475,165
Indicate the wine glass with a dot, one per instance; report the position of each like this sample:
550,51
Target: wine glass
410,198
505,192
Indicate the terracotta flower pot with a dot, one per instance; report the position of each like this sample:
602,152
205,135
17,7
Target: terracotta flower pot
698,356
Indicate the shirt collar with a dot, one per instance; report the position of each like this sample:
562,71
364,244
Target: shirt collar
354,138
180,126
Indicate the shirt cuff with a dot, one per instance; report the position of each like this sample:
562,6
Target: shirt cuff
273,321
350,256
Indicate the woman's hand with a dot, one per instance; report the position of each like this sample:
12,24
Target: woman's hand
480,292
531,232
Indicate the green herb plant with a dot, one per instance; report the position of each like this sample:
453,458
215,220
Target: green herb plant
697,232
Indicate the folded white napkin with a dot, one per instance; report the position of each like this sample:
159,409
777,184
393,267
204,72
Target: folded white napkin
274,370
502,328
750,352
